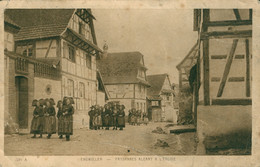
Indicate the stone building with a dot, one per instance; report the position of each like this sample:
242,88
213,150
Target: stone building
124,76
54,55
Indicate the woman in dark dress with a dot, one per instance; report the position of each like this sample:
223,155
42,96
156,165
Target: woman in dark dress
99,118
67,112
91,114
133,116
60,119
103,117
96,118
50,119
37,121
145,117
121,117
114,116
129,116
107,117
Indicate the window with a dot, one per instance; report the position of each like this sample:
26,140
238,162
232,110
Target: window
81,90
71,53
88,60
81,28
137,106
70,87
168,97
155,103
25,50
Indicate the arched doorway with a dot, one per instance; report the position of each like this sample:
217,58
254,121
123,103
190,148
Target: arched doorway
21,84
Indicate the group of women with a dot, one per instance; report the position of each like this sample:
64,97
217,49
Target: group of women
111,115
44,118
136,117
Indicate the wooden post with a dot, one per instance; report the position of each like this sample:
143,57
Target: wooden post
206,19
227,68
236,12
49,47
180,78
247,69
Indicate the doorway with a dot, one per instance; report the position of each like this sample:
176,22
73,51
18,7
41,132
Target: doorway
22,101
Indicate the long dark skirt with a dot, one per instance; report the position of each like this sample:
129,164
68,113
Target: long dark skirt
67,126
97,121
114,121
107,121
121,121
37,125
60,125
91,122
50,125
133,119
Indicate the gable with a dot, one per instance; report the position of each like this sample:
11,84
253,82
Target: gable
166,84
120,67
82,26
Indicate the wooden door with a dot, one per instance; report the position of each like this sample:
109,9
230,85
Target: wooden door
22,101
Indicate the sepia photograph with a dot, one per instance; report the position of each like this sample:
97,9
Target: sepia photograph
119,82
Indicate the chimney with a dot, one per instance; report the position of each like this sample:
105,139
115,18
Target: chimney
105,48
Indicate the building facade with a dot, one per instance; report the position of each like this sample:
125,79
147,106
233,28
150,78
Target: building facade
223,79
65,40
161,94
124,76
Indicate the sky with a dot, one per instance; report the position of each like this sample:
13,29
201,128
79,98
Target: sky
163,36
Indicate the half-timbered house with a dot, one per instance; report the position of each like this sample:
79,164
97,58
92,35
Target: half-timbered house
161,94
124,76
222,78
62,42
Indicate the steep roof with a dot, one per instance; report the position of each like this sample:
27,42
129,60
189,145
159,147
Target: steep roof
156,82
188,60
121,67
40,23
8,20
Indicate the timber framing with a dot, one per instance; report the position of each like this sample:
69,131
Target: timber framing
85,15
247,68
226,34
227,68
80,42
228,23
206,18
231,101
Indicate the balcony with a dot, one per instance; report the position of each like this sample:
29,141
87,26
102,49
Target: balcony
21,65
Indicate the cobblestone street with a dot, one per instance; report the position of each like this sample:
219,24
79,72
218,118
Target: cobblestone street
133,140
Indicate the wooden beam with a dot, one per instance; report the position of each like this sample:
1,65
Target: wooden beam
250,14
227,68
180,78
240,56
236,12
247,69
229,23
231,101
206,71
236,79
49,47
206,19
215,79
218,56
227,34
